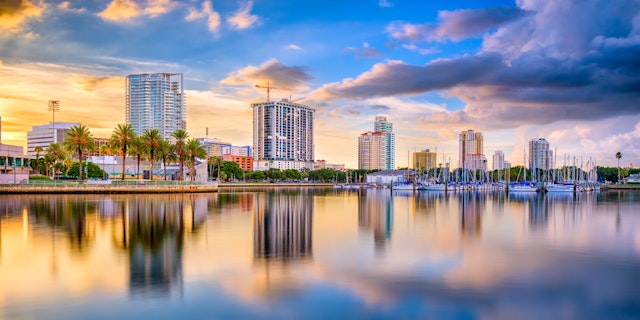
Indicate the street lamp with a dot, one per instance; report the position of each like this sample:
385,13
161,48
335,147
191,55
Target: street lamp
54,106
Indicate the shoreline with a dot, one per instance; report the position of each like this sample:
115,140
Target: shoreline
141,189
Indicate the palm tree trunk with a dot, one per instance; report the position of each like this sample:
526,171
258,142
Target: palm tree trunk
151,170
79,163
181,165
138,170
164,164
124,157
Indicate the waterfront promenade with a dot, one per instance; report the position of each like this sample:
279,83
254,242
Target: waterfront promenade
143,186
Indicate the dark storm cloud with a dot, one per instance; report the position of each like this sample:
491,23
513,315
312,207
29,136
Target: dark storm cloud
457,25
538,76
278,74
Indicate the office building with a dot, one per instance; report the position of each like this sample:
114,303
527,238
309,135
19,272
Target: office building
282,135
540,156
245,162
372,151
498,160
155,101
424,160
44,135
475,161
238,151
381,124
470,143
214,146
322,164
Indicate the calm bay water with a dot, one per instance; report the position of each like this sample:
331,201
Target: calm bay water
320,253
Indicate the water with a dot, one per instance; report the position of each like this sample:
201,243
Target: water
320,253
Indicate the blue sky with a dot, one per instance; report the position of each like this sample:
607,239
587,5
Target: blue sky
563,70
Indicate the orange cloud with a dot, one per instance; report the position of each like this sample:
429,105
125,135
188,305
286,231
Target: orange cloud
208,13
243,19
14,13
127,10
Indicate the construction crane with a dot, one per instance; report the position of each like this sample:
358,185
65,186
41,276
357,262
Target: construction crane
269,88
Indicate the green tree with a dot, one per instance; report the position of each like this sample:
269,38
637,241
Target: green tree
180,148
54,153
79,141
165,152
274,174
216,164
151,140
256,175
292,174
619,156
93,170
136,150
194,150
231,168
121,138
37,150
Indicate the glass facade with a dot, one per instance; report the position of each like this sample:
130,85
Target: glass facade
156,101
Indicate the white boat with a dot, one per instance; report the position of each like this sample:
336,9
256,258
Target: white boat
559,187
433,187
402,186
522,188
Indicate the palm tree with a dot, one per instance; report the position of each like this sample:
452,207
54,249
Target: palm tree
216,162
618,156
54,153
136,149
193,150
151,140
79,141
181,139
121,138
164,152
38,150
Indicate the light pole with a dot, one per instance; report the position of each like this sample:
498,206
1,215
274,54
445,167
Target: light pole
54,106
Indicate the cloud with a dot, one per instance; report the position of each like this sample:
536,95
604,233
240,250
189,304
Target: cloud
385,4
14,13
208,13
456,25
66,6
278,75
127,10
422,51
292,47
365,51
243,19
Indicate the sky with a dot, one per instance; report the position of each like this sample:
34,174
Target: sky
567,71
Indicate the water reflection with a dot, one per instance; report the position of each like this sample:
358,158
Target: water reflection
471,206
375,214
288,253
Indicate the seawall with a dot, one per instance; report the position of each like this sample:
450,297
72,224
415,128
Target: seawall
105,189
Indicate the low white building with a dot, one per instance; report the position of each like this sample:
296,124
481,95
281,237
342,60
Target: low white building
263,165
14,165
390,176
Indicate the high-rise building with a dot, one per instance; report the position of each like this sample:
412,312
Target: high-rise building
498,160
156,101
43,135
540,156
383,125
372,151
424,160
470,143
282,135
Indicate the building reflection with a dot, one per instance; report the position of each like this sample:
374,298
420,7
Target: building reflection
156,232
375,214
539,211
64,214
282,225
471,206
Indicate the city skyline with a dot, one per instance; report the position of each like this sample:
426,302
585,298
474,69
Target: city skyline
514,71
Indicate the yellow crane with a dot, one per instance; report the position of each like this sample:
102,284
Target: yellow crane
269,88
